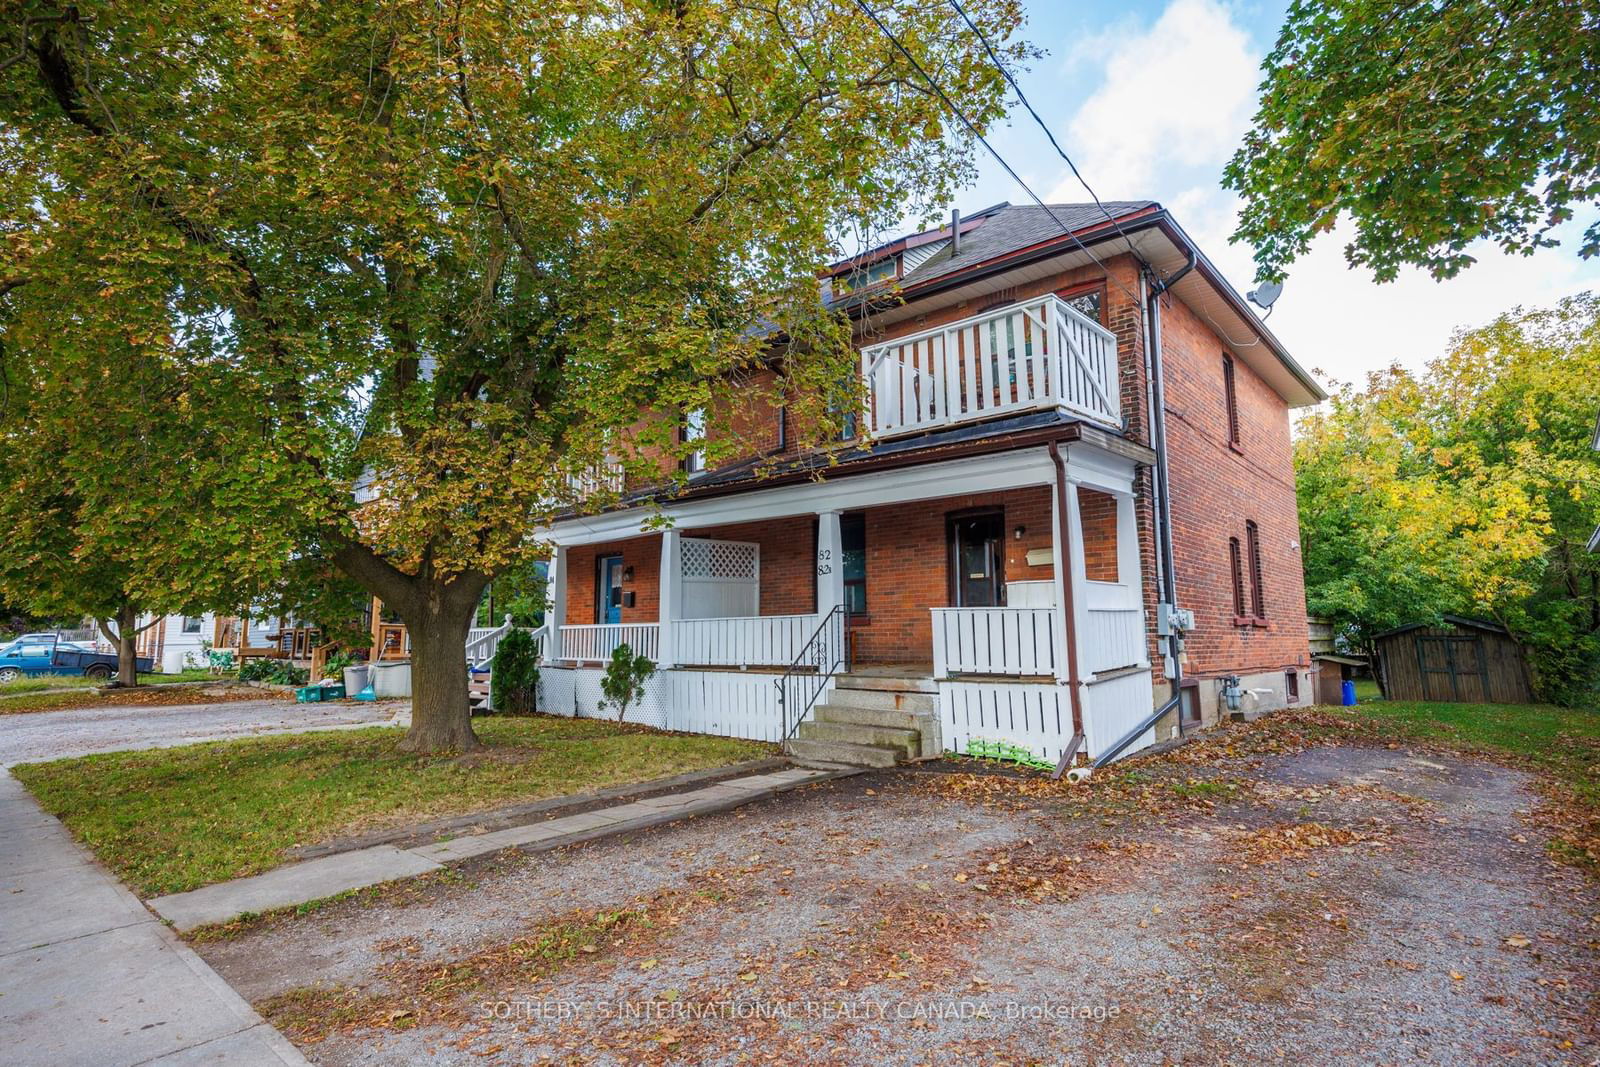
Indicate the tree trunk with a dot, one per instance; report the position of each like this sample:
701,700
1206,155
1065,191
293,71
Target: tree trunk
438,613
126,638
441,718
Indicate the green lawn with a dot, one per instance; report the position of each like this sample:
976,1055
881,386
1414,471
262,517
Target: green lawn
173,819
1562,742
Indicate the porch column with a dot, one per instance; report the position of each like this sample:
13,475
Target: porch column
1059,563
671,584
1077,573
555,609
830,562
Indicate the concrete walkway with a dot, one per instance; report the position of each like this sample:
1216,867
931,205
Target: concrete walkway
89,976
298,883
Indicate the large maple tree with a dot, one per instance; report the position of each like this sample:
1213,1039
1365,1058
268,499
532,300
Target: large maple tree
449,249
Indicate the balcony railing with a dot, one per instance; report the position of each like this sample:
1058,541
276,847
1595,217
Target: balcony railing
1039,354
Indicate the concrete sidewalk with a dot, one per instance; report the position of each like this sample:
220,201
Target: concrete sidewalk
297,883
89,976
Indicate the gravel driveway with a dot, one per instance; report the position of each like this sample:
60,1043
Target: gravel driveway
45,735
1337,905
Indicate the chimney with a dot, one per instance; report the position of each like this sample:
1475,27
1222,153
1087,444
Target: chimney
955,231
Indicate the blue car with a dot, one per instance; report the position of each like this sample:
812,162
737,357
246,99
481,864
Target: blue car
36,654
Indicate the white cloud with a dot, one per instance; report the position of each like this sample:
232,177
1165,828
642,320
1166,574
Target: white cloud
1174,100
1171,95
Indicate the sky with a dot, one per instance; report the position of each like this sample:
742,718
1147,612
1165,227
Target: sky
1151,98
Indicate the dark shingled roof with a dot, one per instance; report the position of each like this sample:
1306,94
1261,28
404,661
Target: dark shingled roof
1012,228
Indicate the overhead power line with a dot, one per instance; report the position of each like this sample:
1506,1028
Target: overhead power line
973,130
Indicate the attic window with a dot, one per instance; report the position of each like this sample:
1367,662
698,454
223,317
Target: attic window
869,275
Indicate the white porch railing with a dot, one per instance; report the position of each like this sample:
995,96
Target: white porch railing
483,640
1037,354
1114,639
1017,641
754,641
594,643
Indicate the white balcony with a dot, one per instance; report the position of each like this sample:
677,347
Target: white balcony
1037,355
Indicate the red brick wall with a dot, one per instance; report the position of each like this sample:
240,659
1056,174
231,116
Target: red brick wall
1216,488
908,568
643,554
1098,513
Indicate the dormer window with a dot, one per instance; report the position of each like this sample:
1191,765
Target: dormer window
869,275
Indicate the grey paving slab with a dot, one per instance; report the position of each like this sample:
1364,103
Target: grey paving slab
293,884
89,976
257,1045
120,996
478,844
62,903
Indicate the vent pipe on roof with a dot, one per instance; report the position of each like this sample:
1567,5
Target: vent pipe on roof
955,231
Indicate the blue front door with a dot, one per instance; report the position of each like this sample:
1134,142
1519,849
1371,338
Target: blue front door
610,591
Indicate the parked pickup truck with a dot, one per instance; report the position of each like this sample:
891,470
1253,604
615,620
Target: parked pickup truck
34,654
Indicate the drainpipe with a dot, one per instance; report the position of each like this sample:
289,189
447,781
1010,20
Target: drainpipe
1069,612
1166,577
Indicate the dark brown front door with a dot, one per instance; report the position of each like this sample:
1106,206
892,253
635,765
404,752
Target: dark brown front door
977,560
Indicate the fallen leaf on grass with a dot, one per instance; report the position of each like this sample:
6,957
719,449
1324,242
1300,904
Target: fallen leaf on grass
1517,941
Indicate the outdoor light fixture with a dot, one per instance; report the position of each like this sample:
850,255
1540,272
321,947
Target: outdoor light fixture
1018,532
627,574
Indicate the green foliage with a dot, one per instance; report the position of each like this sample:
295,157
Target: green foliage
335,664
514,681
1472,488
1429,125
275,671
623,682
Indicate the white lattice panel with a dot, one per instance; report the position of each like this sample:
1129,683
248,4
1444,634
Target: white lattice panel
720,561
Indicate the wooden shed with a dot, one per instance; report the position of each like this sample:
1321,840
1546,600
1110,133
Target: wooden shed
1461,659
1330,671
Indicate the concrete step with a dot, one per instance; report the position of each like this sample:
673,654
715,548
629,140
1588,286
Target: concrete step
883,699
807,751
895,720
906,742
886,683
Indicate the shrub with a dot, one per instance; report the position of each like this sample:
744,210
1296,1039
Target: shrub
624,679
274,671
514,683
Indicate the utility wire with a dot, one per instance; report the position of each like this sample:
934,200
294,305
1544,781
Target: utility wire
973,129
1021,96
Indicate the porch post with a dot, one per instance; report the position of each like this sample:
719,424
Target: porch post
1059,563
1077,573
555,609
830,563
671,583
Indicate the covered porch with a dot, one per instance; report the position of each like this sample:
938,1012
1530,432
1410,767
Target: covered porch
1010,581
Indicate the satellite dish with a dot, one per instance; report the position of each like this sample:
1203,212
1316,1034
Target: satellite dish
1265,295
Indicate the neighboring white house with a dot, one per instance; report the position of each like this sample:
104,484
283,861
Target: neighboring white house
181,642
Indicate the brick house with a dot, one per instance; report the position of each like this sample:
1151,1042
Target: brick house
986,559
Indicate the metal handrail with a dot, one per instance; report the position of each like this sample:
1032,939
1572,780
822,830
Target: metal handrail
826,653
